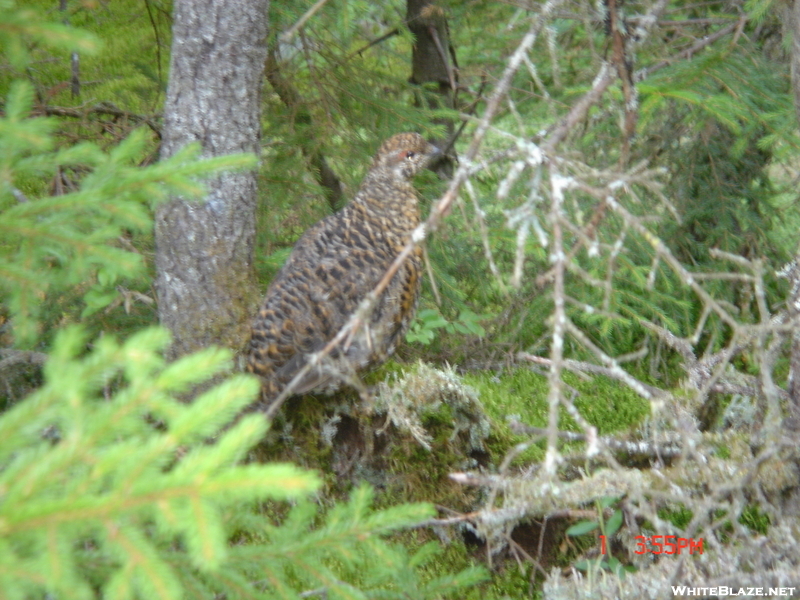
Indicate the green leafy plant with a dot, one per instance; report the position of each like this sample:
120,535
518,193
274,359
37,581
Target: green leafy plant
606,561
423,330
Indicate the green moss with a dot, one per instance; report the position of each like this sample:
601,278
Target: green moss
129,70
605,403
522,393
609,405
753,518
678,516
456,555
723,452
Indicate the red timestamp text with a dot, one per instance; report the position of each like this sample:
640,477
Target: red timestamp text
662,544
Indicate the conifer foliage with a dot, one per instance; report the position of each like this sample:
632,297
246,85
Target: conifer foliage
126,477
51,243
111,487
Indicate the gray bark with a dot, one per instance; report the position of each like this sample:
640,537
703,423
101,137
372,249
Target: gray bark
204,249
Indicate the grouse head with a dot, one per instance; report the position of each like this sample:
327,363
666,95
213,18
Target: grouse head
404,155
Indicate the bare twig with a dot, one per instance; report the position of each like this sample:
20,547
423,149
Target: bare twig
701,44
14,357
639,449
287,35
375,42
104,108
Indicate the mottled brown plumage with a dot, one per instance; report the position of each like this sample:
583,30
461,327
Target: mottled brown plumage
333,266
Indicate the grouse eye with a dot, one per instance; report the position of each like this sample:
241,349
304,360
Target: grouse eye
410,154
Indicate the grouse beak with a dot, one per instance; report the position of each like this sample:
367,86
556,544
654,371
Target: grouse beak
435,155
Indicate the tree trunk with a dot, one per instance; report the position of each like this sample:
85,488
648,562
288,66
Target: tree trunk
204,249
433,61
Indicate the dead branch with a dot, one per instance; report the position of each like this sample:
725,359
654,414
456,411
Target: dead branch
103,108
15,357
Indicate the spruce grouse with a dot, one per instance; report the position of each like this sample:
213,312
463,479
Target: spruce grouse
331,269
